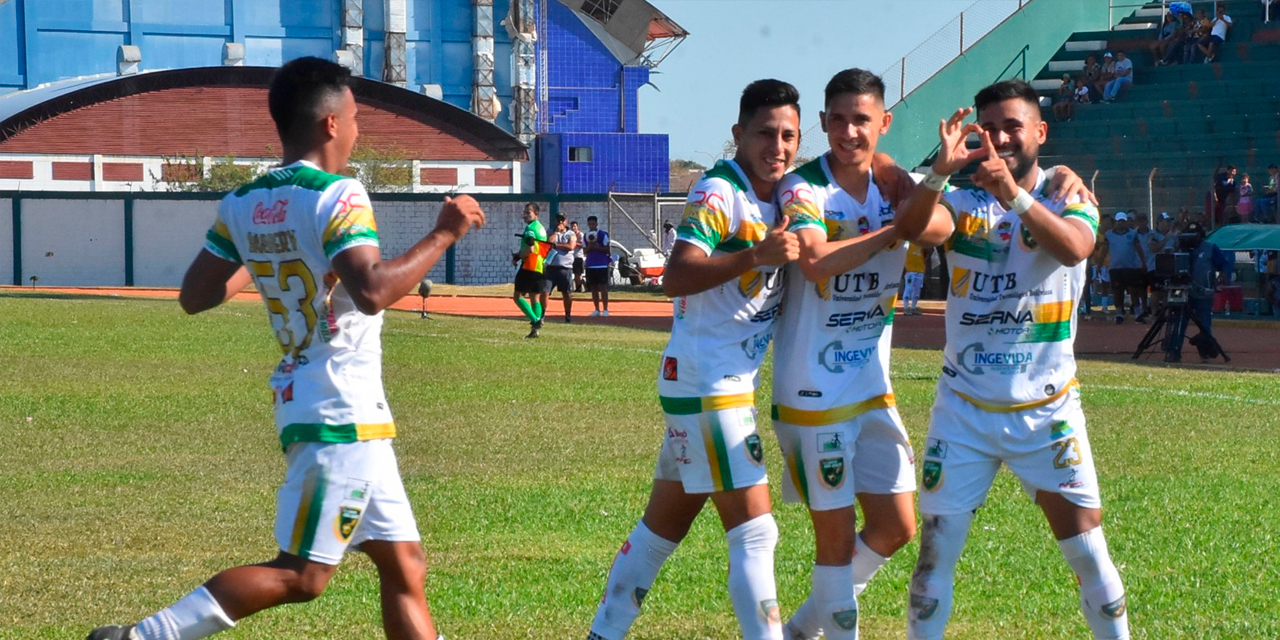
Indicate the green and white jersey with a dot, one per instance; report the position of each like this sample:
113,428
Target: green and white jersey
831,356
286,227
719,337
1011,321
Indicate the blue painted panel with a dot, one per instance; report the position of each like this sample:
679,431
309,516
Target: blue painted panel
457,19
67,55
292,13
272,52
457,63
78,9
374,54
418,64
174,52
206,12
375,17
11,42
420,15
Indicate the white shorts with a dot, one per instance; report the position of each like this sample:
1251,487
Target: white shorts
1047,448
336,496
712,451
911,285
873,448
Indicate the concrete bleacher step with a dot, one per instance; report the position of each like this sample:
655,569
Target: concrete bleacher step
1091,130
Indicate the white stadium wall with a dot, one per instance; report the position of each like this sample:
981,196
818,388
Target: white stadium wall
167,234
73,242
86,236
6,241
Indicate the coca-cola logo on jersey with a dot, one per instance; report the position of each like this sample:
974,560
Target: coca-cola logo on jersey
273,215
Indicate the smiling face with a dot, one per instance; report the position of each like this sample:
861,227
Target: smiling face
767,145
1017,132
854,123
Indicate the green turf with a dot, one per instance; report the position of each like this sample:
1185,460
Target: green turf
139,459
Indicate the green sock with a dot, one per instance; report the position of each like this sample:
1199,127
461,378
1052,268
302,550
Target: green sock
526,309
537,310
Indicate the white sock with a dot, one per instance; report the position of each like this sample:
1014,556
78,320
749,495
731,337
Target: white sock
751,584
866,562
633,572
837,604
806,622
195,616
941,540
1101,592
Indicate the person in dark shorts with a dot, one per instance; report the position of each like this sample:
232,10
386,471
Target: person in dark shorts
533,252
579,261
559,267
598,264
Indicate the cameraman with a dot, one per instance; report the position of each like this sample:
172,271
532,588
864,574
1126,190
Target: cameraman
1209,267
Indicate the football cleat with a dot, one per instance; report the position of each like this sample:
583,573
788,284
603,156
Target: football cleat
111,632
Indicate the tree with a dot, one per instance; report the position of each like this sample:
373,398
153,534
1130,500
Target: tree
187,174
381,169
681,166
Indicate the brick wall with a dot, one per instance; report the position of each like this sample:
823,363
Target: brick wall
215,121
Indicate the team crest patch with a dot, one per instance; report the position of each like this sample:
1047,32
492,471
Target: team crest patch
1115,609
832,471
864,226
925,607
754,449
931,475
830,441
345,525
772,614
846,619
670,369
1004,231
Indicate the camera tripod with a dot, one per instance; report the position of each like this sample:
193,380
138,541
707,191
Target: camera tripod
1165,322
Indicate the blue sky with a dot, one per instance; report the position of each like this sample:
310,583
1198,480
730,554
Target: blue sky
804,42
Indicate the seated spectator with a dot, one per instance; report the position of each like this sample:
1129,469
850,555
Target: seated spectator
1089,78
1105,75
1244,203
1265,206
1168,29
1123,74
1218,29
1064,104
1184,36
1224,187
1203,27
1082,92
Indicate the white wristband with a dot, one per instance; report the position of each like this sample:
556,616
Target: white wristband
1022,202
935,181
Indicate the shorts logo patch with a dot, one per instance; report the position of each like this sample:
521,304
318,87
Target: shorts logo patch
754,449
832,471
670,369
949,372
357,489
1061,430
931,475
345,525
772,614
925,607
830,441
846,619
807,393
1115,609
935,448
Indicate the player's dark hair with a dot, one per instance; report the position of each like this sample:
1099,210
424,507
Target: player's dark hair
856,81
766,93
590,218
532,205
300,92
1014,89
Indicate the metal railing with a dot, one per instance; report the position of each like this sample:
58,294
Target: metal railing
944,46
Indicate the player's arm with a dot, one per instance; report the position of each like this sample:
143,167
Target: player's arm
922,218
1065,184
1137,246
691,270
568,246
374,284
211,281
1069,240
820,259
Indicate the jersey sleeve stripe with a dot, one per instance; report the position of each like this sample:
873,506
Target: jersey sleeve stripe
219,244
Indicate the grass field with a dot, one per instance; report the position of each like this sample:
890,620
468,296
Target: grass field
139,459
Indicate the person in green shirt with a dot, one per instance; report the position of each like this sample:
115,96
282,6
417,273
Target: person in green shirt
531,259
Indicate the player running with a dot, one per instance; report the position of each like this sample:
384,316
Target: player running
307,238
724,278
1008,392
834,411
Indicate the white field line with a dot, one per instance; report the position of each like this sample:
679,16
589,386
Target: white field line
1187,394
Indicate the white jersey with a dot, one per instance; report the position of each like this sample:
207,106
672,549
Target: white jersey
286,227
831,358
1011,321
719,337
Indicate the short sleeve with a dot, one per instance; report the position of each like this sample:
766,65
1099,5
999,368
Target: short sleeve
798,200
1084,211
959,201
707,218
218,240
350,222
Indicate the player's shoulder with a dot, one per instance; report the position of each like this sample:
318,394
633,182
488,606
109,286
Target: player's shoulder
968,199
301,177
724,179
811,173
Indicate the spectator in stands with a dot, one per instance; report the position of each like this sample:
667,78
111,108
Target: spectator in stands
1127,263
1082,91
1224,189
1244,200
1265,206
1218,29
1089,79
1105,75
1064,104
1183,37
1168,30
1122,77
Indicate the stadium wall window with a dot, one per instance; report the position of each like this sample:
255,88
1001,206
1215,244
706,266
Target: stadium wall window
579,154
